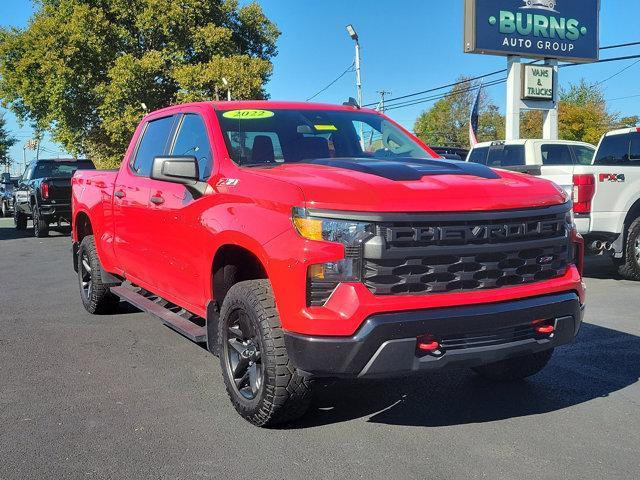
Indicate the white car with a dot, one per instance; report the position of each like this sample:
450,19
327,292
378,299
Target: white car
605,187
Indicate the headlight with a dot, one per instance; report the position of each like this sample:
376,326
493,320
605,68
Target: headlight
323,278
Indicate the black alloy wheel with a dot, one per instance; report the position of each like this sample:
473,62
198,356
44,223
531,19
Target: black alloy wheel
242,355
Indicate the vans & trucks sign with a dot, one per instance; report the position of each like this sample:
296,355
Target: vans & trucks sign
555,29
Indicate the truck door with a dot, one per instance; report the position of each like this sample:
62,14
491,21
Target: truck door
180,265
135,247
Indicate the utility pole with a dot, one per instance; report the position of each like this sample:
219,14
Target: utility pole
383,93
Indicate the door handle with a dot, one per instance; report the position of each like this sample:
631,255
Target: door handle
157,200
119,194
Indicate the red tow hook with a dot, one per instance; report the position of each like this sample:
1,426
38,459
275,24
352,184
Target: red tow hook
428,344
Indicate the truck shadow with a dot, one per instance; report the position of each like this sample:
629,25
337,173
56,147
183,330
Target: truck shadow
601,267
8,232
600,362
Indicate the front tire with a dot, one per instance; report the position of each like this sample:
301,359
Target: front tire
96,296
40,225
630,269
263,385
19,219
514,369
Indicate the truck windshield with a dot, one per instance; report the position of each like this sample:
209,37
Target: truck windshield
59,169
264,137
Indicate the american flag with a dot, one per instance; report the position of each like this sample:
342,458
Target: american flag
473,120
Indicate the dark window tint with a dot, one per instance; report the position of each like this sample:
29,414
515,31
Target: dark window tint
60,169
634,150
506,156
584,155
479,155
614,150
153,144
556,154
192,141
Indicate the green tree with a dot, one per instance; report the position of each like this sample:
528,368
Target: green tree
6,142
582,116
85,70
447,121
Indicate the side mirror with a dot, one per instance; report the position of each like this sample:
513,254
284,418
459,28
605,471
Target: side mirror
6,178
181,170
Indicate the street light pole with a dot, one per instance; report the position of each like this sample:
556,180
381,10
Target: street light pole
226,84
354,36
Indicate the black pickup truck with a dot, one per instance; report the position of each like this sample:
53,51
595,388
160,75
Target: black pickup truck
43,193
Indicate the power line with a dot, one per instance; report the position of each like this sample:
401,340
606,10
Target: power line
616,74
431,90
442,87
621,45
350,69
445,95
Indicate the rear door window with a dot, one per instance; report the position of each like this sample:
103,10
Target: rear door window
153,144
614,150
503,156
556,154
479,155
634,150
583,154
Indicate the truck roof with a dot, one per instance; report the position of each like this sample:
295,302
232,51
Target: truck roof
622,131
269,104
524,141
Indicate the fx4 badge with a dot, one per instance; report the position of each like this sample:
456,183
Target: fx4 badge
612,177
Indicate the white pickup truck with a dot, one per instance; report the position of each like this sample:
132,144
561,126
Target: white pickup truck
605,187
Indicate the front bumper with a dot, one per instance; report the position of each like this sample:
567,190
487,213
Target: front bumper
386,344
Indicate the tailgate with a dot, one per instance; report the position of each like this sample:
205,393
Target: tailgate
561,175
59,189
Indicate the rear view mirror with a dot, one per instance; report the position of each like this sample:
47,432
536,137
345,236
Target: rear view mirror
181,170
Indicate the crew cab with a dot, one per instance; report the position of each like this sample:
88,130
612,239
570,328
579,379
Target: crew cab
43,193
551,159
299,250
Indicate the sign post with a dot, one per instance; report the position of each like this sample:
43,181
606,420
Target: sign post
549,30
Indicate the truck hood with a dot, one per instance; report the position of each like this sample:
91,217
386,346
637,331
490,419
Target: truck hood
410,185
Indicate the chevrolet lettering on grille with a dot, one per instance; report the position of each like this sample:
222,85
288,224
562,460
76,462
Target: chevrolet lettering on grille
470,233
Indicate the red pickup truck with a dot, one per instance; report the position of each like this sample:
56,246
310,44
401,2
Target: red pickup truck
304,241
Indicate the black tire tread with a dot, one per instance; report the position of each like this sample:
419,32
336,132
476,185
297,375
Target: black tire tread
102,301
514,369
287,394
40,226
629,267
20,220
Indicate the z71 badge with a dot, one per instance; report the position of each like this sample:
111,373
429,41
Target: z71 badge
612,177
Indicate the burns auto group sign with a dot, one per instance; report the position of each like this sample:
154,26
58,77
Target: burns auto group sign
556,29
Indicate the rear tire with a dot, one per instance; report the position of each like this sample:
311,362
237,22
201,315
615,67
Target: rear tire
40,225
263,385
514,369
630,267
96,296
19,220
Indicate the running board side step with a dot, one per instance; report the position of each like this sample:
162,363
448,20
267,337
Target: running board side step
176,322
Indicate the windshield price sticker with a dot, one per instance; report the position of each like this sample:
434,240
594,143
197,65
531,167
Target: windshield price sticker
248,114
326,128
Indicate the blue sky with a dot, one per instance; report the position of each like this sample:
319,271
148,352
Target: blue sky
407,46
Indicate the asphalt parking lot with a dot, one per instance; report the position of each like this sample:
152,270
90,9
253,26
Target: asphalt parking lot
124,397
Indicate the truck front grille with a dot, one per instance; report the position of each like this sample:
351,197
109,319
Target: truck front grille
467,254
